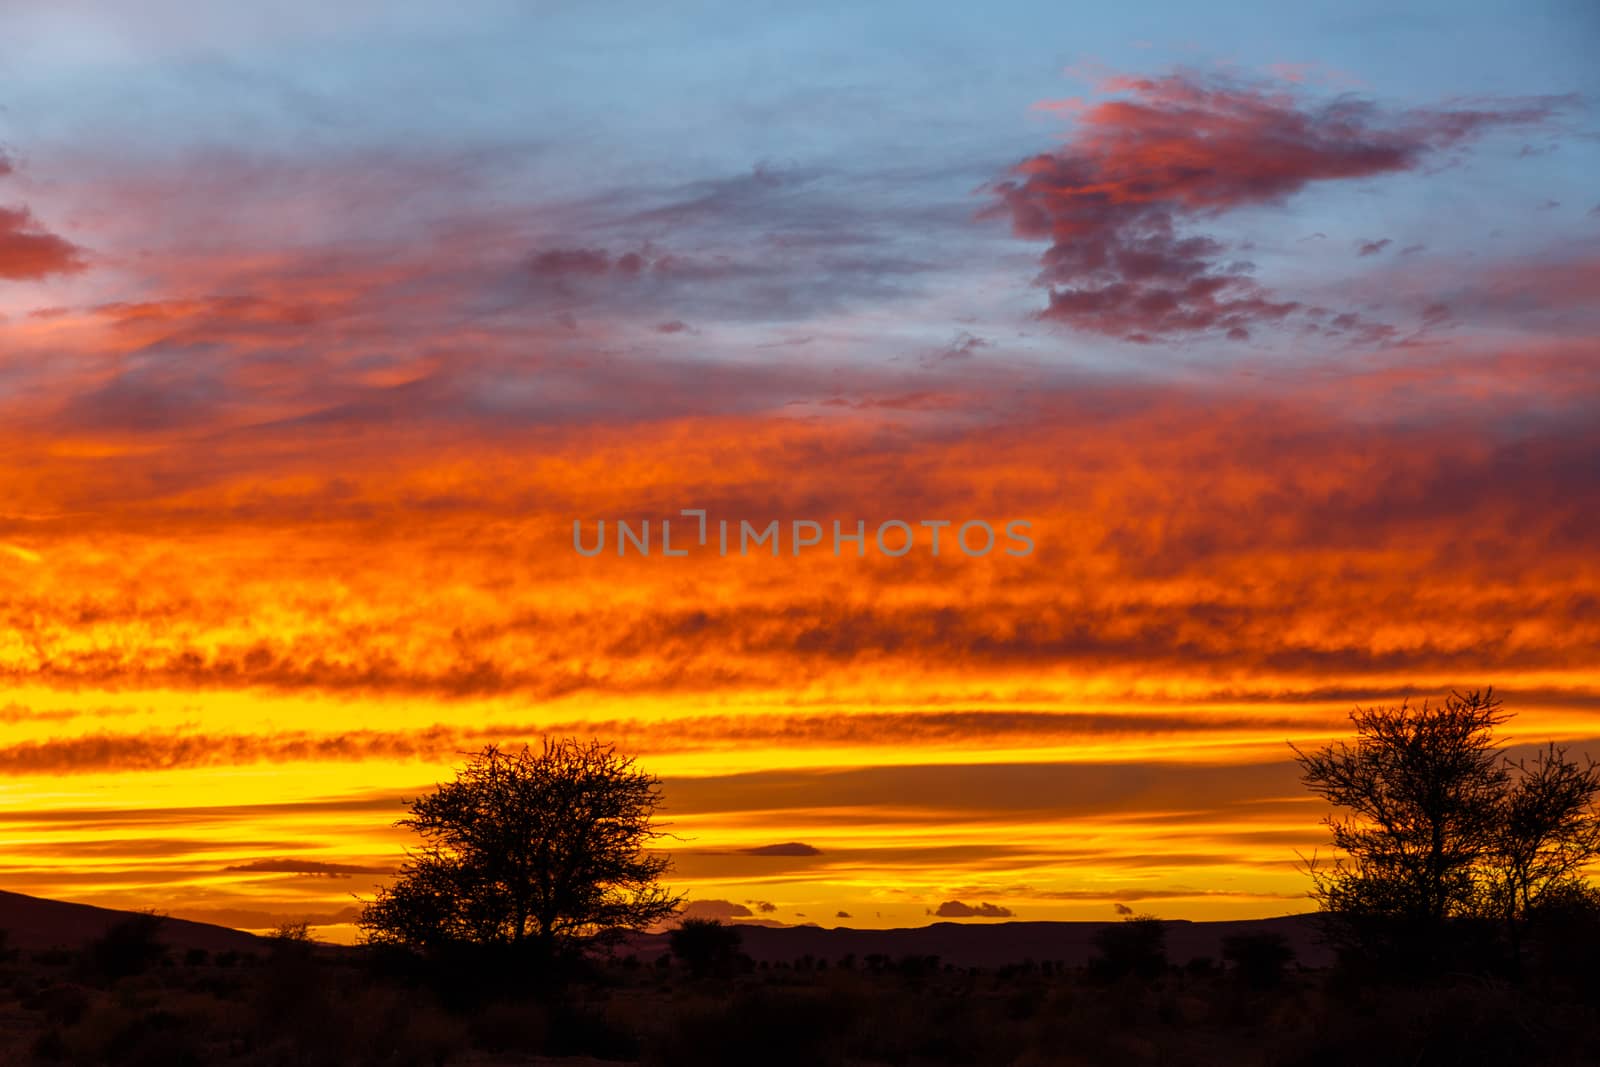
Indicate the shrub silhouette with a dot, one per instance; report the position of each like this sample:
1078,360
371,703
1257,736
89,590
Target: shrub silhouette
1258,959
127,948
706,947
291,936
289,988
1564,929
1136,946
538,851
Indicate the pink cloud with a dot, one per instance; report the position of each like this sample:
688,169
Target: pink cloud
29,252
1118,200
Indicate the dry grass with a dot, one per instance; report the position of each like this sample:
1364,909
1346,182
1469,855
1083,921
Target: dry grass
297,1005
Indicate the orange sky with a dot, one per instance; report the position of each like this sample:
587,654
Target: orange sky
293,437
217,694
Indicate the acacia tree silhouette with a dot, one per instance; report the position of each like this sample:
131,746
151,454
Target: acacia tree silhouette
1135,946
1421,785
1442,827
541,851
1548,831
706,946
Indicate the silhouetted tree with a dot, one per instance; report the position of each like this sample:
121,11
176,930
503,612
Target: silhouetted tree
1423,786
291,935
291,941
706,946
1439,827
292,987
1258,959
128,947
1548,830
1135,946
529,850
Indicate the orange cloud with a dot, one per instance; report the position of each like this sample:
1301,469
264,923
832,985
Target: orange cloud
286,513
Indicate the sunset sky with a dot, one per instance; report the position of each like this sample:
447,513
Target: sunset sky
320,326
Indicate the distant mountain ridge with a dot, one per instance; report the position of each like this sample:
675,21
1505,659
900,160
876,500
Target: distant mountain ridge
986,944
34,923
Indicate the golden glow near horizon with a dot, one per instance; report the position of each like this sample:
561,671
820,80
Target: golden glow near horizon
217,700
295,426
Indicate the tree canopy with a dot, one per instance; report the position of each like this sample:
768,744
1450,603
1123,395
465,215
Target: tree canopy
1436,823
541,849
706,946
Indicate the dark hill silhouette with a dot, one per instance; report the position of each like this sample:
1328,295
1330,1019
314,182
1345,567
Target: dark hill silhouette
35,923
997,944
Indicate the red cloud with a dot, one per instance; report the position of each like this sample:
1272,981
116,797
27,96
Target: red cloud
28,253
1112,201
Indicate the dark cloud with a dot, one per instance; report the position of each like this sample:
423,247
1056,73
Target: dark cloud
963,346
712,281
141,848
83,820
750,198
1241,847
566,262
1118,201
788,848
159,750
771,244
955,909
723,910
1372,248
314,868
1119,897
165,387
984,791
